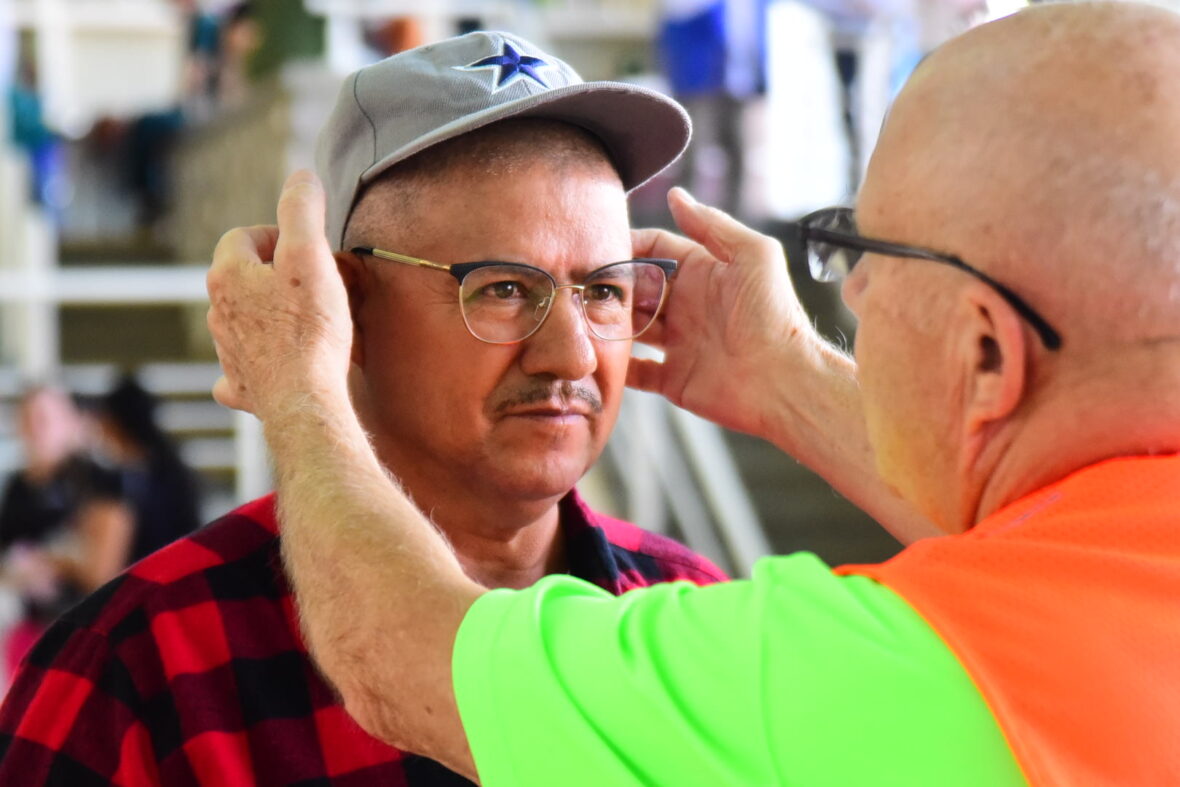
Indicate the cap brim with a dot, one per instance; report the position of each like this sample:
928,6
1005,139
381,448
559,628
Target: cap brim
642,130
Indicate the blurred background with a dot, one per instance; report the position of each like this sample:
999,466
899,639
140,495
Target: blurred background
137,131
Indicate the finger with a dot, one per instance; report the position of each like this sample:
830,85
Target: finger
256,243
230,395
645,374
653,242
301,242
724,236
239,252
228,372
653,336
221,333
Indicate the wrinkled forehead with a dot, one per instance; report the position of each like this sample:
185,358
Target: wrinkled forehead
567,221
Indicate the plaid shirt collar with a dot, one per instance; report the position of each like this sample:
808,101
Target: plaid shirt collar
593,560
592,540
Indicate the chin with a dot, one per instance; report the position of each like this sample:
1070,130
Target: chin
538,477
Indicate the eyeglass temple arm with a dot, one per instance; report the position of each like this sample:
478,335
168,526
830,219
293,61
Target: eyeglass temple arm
1046,332
405,259
668,266
1048,335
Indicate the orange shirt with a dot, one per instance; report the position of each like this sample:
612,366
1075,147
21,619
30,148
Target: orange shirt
1065,609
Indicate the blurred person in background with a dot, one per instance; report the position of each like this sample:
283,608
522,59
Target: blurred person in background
397,34
216,81
64,527
161,490
30,133
240,38
713,55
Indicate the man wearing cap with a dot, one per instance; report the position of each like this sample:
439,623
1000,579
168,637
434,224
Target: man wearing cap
1014,261
478,199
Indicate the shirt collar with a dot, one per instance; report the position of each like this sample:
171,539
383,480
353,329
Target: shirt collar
588,550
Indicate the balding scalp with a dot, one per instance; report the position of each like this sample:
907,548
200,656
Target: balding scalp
1049,154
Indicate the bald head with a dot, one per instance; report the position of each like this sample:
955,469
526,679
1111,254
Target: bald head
1045,148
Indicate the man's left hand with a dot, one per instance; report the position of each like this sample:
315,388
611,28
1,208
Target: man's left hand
278,309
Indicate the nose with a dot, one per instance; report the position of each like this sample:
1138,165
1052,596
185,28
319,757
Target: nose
563,346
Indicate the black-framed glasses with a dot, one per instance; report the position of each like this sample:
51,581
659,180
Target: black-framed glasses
506,302
833,246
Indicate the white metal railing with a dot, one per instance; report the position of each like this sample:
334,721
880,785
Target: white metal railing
673,463
721,485
98,284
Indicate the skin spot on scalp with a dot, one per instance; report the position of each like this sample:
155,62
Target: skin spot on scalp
296,283
1145,86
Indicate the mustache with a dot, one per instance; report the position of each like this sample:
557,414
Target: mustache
566,391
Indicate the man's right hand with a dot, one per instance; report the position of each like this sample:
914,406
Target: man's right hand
740,351
732,327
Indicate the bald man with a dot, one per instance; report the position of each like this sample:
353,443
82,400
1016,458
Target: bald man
1014,260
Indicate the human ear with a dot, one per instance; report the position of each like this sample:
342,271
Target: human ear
354,275
993,356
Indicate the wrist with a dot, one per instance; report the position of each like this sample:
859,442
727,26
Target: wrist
281,402
812,378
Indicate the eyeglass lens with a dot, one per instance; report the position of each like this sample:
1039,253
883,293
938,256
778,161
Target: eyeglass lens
507,303
827,261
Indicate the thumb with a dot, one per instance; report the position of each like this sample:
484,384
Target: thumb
724,236
301,223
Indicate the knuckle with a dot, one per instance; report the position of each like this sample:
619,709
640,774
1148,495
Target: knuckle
297,248
764,244
227,239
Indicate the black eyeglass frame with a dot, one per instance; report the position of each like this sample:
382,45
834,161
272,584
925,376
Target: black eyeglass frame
460,270
803,232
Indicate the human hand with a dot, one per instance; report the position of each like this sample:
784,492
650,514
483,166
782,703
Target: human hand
732,323
278,307
33,572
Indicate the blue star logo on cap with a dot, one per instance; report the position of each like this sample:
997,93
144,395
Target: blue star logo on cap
512,67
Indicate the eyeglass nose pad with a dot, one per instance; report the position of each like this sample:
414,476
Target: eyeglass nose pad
542,307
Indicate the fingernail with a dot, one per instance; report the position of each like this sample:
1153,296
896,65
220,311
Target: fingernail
689,198
300,177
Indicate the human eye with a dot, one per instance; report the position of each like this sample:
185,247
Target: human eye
606,293
503,290
613,285
496,287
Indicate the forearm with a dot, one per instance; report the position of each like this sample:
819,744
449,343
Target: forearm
379,592
813,412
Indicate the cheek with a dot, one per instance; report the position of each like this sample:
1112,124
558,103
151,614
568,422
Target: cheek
432,370
611,374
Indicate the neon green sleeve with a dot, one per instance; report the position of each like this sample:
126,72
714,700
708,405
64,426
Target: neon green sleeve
797,677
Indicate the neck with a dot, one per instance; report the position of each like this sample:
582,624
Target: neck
1126,403
499,541
515,558
498,544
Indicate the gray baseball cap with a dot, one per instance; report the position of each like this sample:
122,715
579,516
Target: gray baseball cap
402,105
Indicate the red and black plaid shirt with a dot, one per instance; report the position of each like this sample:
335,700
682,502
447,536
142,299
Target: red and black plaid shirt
190,669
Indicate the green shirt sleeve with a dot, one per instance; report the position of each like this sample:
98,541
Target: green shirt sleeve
797,676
